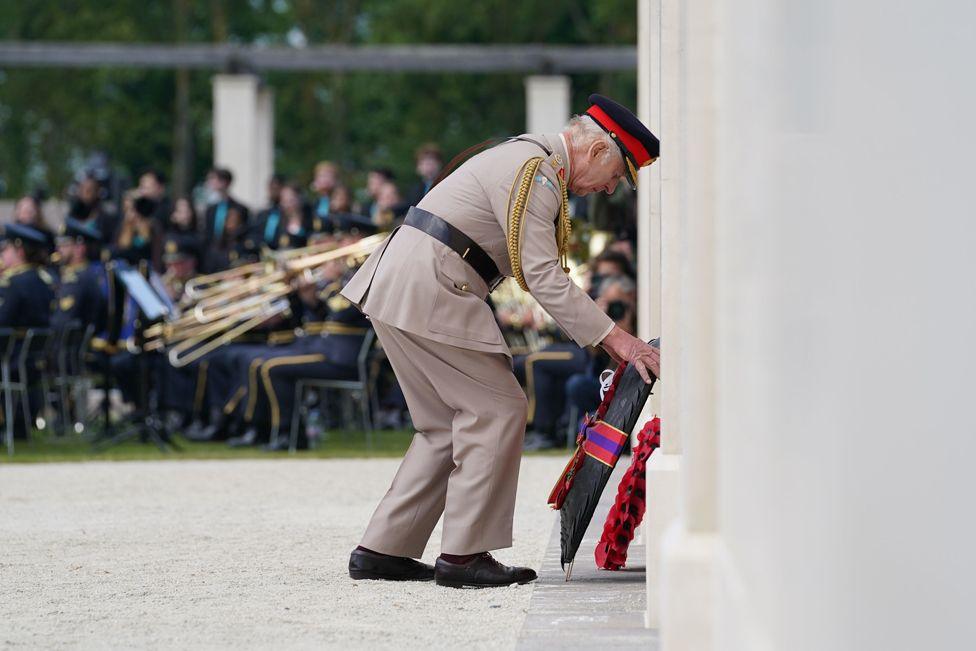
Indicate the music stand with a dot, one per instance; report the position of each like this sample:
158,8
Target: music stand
153,304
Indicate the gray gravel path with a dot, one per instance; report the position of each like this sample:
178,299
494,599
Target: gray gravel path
244,554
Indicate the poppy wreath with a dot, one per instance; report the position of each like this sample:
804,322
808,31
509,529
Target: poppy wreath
628,509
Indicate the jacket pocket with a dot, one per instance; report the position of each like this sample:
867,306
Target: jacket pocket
459,308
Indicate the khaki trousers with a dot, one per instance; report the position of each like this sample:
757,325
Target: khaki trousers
469,412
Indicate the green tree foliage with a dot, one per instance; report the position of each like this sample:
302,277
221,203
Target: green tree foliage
51,119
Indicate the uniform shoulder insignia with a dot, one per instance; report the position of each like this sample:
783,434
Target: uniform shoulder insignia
45,276
338,303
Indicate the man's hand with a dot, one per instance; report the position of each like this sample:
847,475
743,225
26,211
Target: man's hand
623,347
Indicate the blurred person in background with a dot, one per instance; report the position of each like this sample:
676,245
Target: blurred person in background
180,259
609,264
80,288
182,224
87,205
220,205
324,180
26,300
223,251
140,237
341,200
28,211
375,179
545,374
429,161
387,206
152,184
296,221
618,298
265,227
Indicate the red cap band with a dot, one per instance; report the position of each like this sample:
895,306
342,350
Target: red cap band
632,144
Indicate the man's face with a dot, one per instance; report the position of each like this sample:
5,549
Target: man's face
374,181
290,201
66,250
428,167
594,170
88,191
388,196
10,255
25,211
150,187
216,183
325,180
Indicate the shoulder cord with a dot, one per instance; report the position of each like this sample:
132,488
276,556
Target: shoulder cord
564,227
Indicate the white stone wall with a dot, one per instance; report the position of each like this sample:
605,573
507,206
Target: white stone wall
835,511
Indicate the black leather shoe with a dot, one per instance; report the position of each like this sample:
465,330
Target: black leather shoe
483,571
370,565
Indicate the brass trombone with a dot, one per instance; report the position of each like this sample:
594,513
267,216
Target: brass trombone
230,303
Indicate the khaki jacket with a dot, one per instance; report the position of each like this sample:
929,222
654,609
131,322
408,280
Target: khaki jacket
416,283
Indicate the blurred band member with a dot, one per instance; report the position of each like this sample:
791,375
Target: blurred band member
429,161
325,180
26,296
87,206
152,184
221,205
80,295
375,179
387,203
28,212
140,235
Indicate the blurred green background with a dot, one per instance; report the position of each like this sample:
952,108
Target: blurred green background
52,119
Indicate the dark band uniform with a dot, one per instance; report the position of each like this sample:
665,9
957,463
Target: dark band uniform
26,291
81,295
26,296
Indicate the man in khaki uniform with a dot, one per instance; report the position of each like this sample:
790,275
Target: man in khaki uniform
502,213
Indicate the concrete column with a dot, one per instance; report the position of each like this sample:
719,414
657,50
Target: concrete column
243,134
659,247
688,554
547,105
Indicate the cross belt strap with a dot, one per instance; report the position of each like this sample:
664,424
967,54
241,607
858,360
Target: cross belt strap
460,243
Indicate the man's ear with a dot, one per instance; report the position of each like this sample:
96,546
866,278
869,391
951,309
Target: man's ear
597,149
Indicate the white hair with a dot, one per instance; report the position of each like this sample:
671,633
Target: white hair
582,132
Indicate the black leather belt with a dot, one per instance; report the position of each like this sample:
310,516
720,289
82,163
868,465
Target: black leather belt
463,245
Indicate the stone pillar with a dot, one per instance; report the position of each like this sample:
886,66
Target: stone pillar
687,590
547,103
243,134
659,231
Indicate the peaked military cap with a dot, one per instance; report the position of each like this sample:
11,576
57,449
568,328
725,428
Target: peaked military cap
638,145
22,235
76,229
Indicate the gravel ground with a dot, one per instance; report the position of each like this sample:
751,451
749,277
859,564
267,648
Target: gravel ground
244,554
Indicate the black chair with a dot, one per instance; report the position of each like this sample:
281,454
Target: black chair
22,353
360,387
70,373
